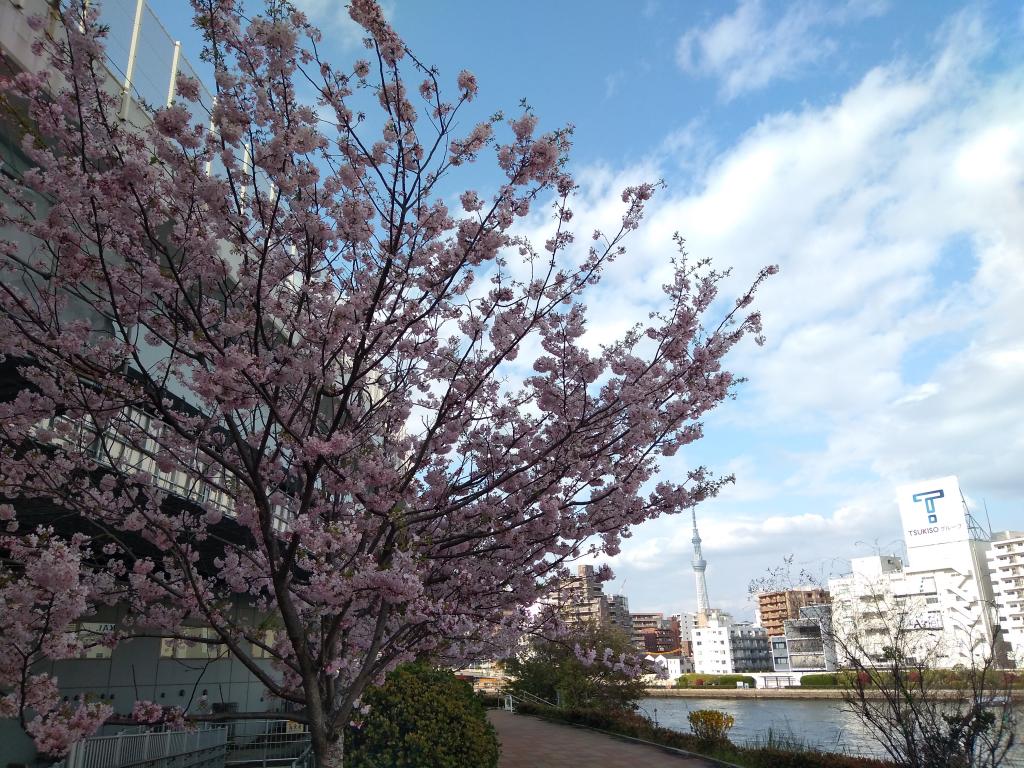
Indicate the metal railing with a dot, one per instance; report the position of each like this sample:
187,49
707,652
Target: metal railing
519,697
186,749
268,744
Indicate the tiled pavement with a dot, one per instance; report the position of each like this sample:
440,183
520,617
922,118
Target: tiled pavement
527,742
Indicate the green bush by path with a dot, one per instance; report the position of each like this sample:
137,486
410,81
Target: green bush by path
696,680
422,717
639,727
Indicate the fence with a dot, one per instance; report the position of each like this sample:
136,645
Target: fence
180,749
267,744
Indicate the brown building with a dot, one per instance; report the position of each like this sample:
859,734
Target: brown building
776,607
653,633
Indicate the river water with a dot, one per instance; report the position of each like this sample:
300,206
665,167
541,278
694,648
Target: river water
819,723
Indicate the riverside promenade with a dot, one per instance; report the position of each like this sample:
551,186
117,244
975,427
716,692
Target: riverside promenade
529,742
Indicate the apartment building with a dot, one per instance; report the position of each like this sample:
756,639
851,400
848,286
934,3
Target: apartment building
619,616
774,608
687,623
806,643
581,601
728,648
1006,569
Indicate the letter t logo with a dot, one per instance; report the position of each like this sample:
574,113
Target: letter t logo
929,497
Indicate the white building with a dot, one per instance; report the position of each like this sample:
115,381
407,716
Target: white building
1006,566
724,647
939,602
806,645
673,666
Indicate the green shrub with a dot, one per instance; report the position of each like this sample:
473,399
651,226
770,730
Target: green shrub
422,717
711,724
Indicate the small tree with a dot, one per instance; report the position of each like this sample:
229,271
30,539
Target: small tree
253,357
922,715
588,667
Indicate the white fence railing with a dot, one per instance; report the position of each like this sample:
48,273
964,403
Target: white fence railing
187,749
511,699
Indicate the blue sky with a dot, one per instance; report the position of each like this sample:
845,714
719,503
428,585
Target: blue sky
875,150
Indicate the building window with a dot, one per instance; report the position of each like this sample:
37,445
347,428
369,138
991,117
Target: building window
269,638
182,649
89,634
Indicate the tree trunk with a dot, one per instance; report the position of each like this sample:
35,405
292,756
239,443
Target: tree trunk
328,752
335,755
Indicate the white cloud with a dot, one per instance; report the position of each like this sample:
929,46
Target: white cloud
335,23
751,47
894,326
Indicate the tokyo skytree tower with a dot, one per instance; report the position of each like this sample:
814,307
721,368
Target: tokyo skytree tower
699,566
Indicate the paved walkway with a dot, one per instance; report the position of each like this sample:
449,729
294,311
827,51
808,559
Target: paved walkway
528,742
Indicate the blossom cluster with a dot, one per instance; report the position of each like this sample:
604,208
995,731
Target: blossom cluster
265,364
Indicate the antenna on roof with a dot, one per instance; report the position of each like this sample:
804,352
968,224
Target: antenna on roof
972,524
988,520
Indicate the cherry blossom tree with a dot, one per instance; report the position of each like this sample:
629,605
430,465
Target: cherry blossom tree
253,358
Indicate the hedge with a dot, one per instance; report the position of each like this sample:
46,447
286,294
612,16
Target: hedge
996,680
822,680
639,727
696,680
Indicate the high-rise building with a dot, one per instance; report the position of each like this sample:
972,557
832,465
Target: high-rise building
618,614
1006,566
152,668
581,600
775,607
940,603
699,566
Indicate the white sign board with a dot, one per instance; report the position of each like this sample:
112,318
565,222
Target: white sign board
933,512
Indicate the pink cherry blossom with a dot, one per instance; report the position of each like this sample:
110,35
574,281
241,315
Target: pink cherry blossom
269,367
